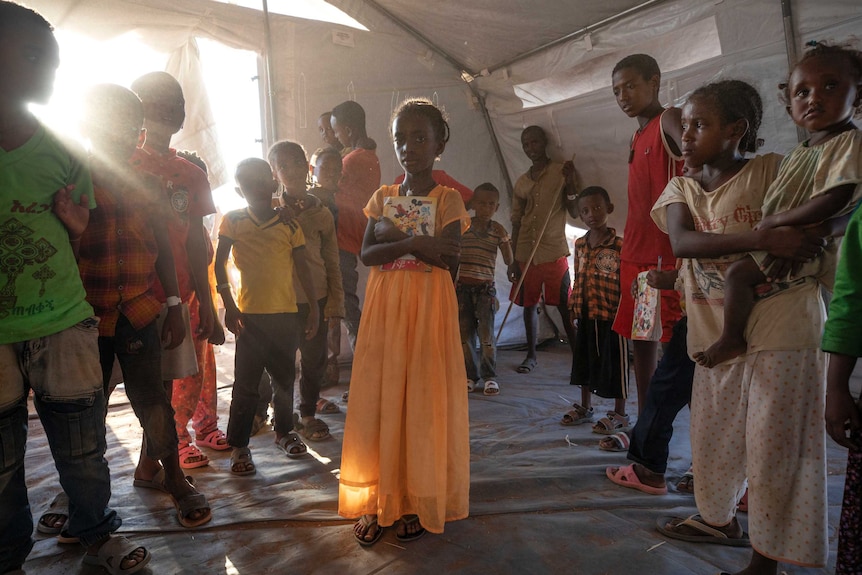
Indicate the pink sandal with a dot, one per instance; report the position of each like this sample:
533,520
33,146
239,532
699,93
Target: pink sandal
191,457
215,439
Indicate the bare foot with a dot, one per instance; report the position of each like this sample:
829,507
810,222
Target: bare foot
724,349
366,528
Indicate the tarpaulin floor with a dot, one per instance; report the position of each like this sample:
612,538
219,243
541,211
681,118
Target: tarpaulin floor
539,499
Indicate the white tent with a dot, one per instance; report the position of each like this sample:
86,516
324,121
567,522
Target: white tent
496,66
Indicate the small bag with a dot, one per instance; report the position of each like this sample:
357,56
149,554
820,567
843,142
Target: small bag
646,323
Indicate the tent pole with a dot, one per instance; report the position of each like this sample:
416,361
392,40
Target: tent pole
790,48
270,77
494,141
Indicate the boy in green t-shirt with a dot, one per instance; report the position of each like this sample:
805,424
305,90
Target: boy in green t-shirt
44,317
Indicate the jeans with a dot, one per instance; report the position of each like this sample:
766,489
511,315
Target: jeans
349,282
139,354
669,391
63,371
477,306
267,341
313,362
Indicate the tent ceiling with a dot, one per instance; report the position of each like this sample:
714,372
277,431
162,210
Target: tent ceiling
481,34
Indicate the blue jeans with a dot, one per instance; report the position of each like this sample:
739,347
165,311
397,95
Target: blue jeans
477,306
669,391
350,283
63,371
267,341
139,353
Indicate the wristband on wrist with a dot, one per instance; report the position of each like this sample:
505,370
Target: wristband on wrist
571,197
173,301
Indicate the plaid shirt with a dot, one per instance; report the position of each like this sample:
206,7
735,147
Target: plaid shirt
596,292
117,260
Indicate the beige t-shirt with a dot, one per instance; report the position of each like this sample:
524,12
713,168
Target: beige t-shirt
790,319
531,202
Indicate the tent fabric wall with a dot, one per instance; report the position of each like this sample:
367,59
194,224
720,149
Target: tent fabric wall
311,73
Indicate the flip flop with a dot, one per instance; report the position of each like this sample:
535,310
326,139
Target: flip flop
111,554
527,365
326,407
58,506
705,533
366,526
410,520
492,388
626,477
215,439
617,442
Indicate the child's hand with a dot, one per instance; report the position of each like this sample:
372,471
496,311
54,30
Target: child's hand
791,243
767,223
233,320
661,279
217,335
174,328
312,323
74,216
514,272
385,231
569,174
842,418
432,250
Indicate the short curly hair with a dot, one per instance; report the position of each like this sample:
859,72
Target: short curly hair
846,51
424,107
735,100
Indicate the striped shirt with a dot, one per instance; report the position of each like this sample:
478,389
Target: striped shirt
596,290
479,251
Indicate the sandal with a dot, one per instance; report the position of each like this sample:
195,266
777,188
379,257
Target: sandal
292,445
215,439
241,463
527,365
58,508
345,395
190,503
363,526
191,457
612,423
492,387
695,530
314,430
616,442
577,415
326,407
471,386
686,482
410,521
111,554
158,481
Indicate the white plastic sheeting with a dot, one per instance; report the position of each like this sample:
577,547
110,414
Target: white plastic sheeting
312,73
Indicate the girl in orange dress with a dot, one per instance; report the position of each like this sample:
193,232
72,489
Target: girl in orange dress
406,453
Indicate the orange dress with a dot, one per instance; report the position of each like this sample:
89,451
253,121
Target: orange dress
406,439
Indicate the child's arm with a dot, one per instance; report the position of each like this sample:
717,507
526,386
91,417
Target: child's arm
784,242
665,279
671,125
197,250
814,211
840,406
174,329
429,249
74,216
304,274
232,315
506,250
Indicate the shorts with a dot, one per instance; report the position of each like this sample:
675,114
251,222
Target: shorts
553,274
670,310
601,359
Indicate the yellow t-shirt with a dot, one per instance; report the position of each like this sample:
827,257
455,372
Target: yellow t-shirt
263,254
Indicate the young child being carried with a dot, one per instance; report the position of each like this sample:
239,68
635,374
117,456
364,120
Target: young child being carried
265,321
819,180
601,356
477,295
290,167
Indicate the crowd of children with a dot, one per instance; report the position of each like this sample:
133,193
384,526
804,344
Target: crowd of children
136,290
